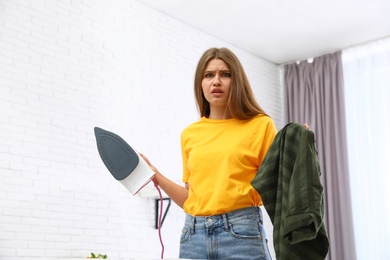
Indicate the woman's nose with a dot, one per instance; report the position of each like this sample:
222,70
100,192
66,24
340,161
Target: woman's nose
217,80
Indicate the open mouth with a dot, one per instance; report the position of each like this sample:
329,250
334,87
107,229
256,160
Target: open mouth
216,91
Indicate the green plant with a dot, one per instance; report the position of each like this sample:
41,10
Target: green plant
98,256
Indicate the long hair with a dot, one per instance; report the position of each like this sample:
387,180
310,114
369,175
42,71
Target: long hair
241,102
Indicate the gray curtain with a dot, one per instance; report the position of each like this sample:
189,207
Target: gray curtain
314,94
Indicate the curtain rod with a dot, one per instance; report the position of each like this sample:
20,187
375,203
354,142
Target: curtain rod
336,50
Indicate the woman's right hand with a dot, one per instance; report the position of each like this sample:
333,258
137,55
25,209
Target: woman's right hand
148,162
177,193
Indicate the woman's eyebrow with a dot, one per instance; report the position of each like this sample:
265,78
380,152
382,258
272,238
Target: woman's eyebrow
224,70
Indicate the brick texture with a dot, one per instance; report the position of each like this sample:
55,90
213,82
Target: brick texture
68,66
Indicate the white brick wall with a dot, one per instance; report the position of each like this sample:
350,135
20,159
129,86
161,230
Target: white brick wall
67,66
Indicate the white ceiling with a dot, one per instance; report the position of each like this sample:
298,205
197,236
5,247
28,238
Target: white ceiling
282,31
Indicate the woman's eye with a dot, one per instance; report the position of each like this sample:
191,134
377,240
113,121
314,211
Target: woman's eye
226,74
208,75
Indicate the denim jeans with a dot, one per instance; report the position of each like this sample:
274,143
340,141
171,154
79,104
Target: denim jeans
235,235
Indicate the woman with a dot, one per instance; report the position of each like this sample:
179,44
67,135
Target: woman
221,154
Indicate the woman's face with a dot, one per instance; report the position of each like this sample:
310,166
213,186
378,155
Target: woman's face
216,83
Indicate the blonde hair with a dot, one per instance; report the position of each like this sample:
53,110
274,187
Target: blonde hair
242,103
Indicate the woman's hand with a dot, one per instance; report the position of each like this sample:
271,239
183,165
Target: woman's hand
154,169
177,193
306,126
148,162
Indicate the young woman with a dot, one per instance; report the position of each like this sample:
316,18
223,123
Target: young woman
221,154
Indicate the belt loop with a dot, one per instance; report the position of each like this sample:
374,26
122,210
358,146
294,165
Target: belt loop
225,222
192,226
260,213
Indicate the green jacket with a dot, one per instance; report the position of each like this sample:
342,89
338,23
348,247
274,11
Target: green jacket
289,184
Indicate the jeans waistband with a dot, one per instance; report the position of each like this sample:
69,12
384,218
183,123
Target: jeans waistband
204,221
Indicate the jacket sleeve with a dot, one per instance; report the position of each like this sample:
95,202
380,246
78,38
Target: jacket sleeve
304,207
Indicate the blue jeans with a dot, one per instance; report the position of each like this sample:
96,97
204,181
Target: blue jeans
235,235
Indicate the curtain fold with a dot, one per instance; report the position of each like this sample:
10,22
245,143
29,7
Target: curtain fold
314,94
367,87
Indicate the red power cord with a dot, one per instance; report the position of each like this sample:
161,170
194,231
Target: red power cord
160,216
